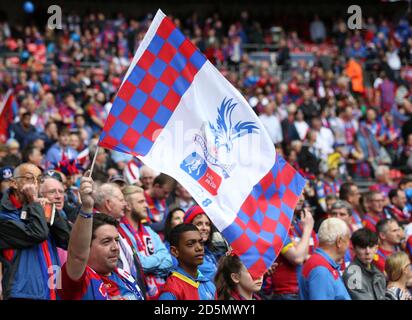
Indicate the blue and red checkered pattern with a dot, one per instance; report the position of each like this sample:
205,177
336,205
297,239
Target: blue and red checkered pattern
147,99
263,221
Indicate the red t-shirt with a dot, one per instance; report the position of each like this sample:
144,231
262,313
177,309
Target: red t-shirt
92,286
369,221
380,258
284,279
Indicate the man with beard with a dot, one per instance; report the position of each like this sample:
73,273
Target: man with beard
154,257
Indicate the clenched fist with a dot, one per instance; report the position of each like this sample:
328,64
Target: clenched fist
86,192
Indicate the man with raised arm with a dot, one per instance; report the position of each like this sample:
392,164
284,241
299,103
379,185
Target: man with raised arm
90,272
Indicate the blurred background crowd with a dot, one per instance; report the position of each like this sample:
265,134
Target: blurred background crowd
337,103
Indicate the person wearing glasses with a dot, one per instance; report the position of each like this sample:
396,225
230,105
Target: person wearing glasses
375,202
398,269
53,190
28,243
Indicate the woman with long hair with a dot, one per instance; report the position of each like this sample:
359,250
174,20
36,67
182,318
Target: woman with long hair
398,269
234,282
174,218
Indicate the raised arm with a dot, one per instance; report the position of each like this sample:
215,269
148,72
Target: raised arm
297,254
81,235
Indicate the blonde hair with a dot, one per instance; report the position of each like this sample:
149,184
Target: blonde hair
131,189
394,265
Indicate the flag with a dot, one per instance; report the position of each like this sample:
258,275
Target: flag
8,110
132,171
83,158
179,115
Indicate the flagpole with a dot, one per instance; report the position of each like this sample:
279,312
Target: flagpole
93,162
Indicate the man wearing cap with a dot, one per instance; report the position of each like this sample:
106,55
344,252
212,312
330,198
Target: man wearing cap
119,180
6,173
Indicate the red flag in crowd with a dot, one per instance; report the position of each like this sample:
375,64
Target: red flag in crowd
8,110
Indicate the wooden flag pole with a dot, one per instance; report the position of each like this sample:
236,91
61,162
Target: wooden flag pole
94,161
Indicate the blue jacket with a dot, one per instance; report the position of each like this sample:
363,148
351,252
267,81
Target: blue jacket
174,260
209,266
29,250
320,279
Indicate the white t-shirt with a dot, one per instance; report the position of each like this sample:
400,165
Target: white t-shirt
302,128
273,127
325,141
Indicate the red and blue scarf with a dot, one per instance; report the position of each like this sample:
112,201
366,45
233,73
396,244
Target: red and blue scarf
141,241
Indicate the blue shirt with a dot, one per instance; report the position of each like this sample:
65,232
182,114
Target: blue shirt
55,154
320,279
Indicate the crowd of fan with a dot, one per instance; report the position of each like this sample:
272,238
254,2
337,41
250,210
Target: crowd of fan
341,119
